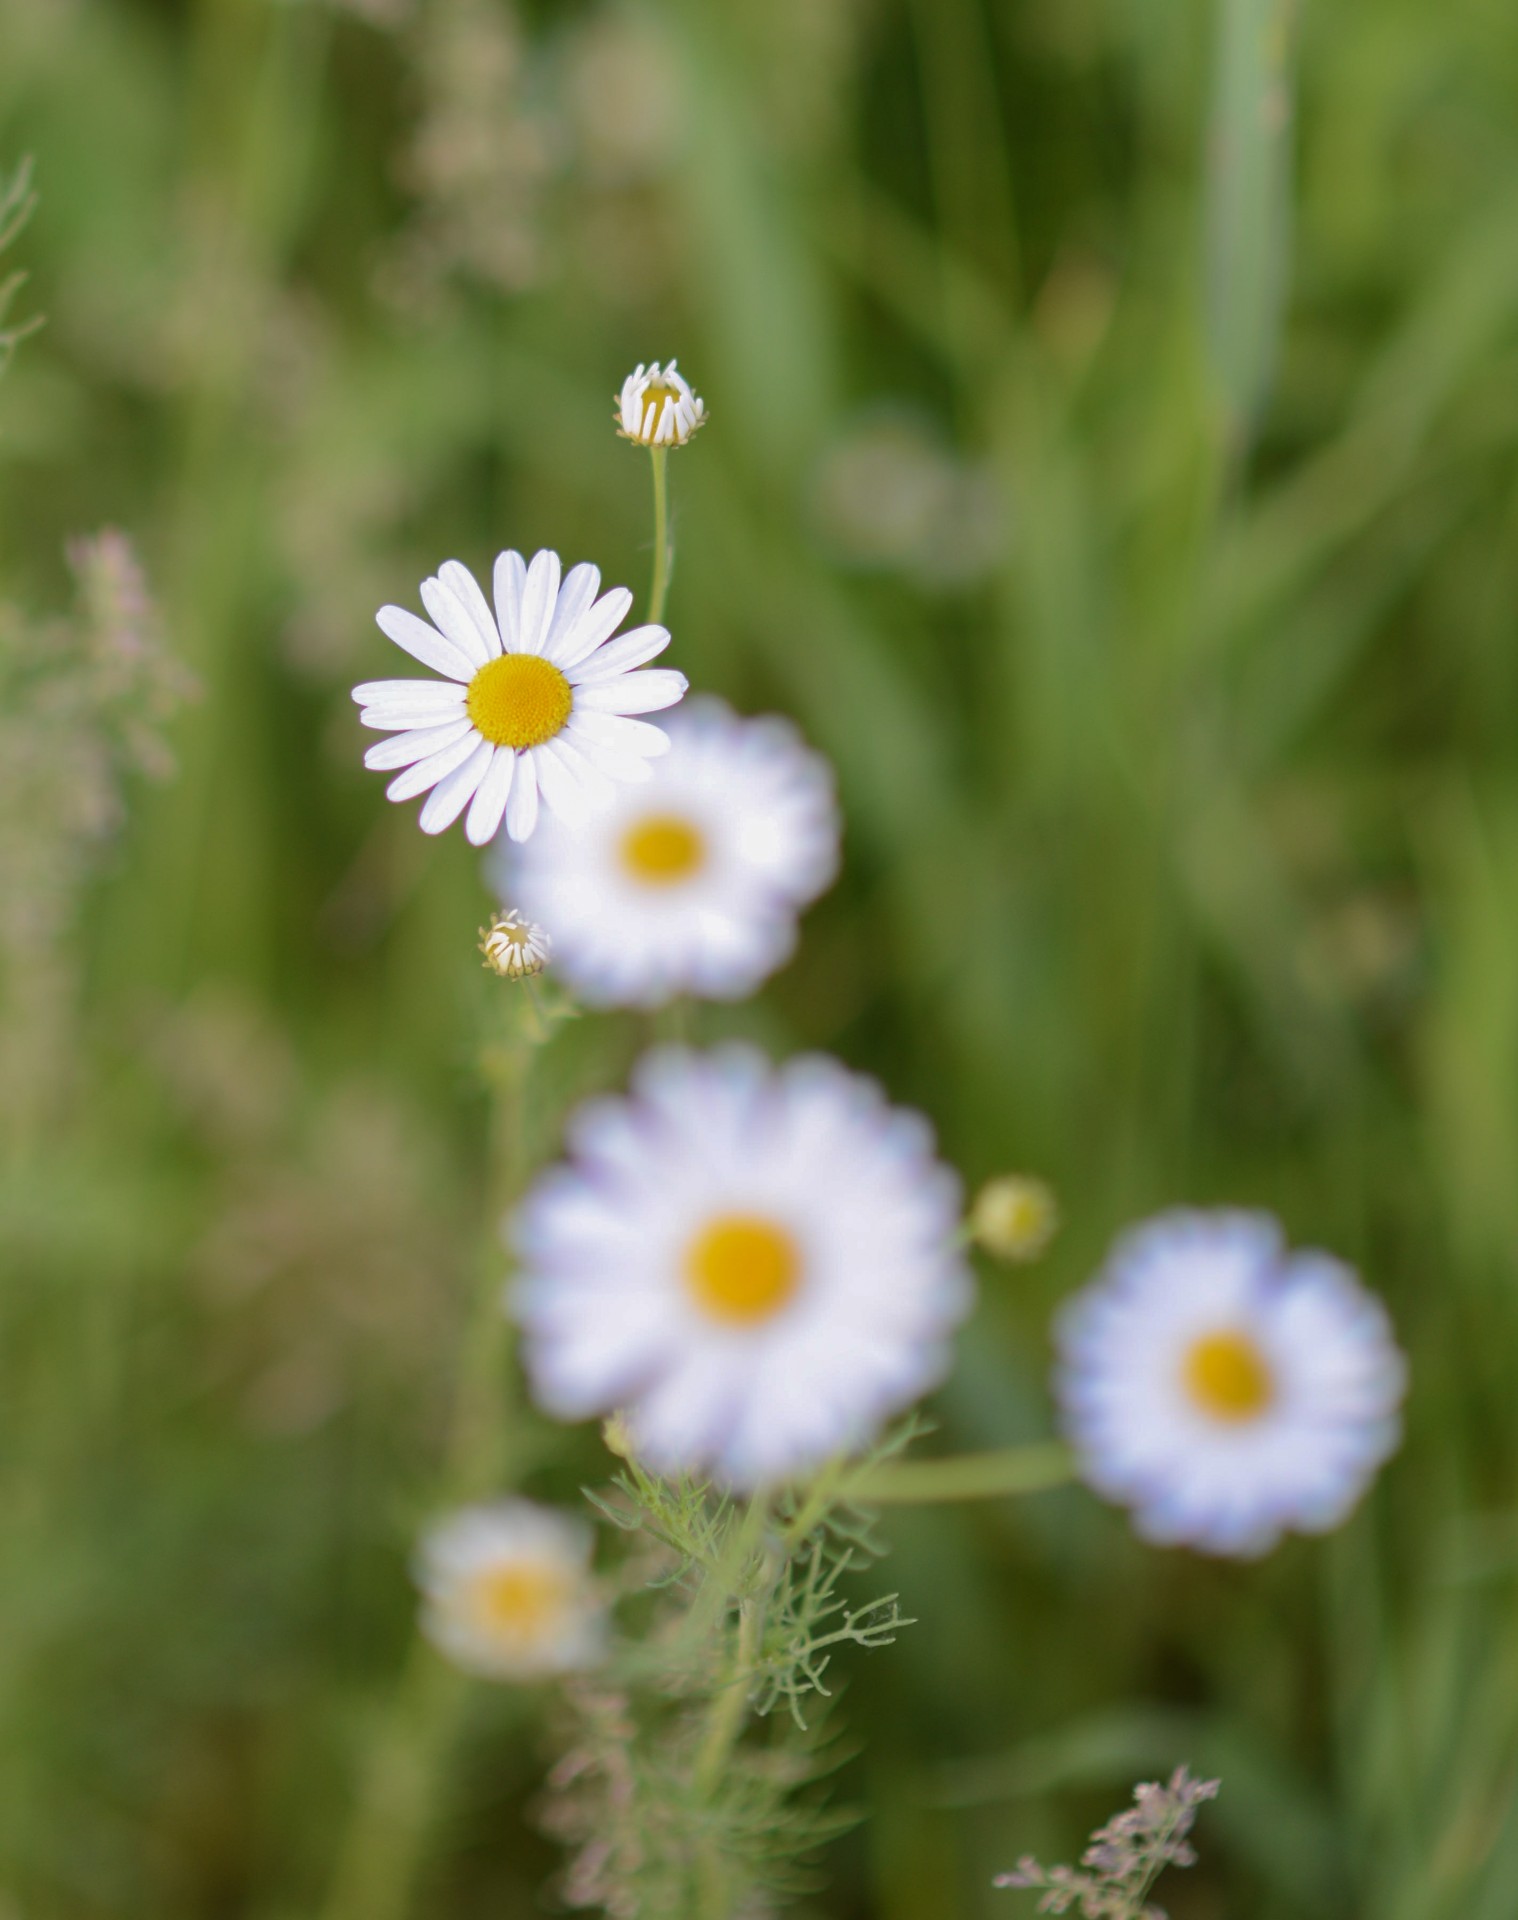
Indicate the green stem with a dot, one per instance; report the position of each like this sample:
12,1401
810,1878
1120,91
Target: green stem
967,1476
662,553
730,1707
387,1831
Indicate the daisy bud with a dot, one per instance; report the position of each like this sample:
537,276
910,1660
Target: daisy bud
657,408
617,1435
1014,1217
514,947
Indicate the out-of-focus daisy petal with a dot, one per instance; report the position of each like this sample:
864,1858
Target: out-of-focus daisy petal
692,881
721,1280
1202,1380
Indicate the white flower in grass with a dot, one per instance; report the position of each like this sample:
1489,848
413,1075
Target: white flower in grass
691,883
507,1593
1225,1388
755,1264
657,408
536,698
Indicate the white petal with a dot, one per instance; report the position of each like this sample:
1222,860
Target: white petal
450,613
462,584
397,719
612,761
572,786
437,766
490,802
646,692
441,694
449,797
629,736
415,744
538,598
599,623
621,655
581,584
510,578
424,643
522,807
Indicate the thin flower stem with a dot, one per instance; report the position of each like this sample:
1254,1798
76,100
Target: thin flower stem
397,1795
660,586
967,1476
730,1704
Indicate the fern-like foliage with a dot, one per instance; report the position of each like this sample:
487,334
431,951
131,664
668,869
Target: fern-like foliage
682,1790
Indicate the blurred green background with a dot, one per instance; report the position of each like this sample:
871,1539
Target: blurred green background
1112,465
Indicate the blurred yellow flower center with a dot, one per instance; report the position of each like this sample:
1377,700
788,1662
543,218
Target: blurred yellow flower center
662,849
519,700
522,1602
743,1269
1228,1377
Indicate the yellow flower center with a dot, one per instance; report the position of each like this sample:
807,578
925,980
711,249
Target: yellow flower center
654,398
662,849
520,1603
743,1269
1228,1377
519,700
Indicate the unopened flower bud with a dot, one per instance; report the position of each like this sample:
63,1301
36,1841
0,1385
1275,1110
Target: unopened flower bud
617,1435
514,947
1013,1217
657,408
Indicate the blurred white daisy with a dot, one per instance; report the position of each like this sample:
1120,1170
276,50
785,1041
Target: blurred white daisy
692,882
755,1264
1225,1388
514,946
657,408
536,697
507,1591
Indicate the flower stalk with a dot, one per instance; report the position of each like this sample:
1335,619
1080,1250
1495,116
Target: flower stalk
969,1476
658,458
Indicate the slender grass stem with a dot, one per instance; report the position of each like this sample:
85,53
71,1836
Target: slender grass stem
662,555
382,1850
967,1476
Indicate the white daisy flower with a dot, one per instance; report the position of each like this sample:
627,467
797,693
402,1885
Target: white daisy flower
692,882
514,947
1226,1388
507,1591
657,408
755,1264
536,698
